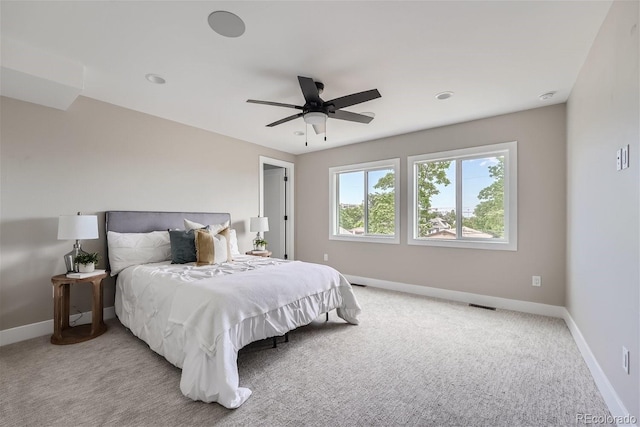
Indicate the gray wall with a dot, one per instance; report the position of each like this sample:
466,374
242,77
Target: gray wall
97,157
603,251
541,136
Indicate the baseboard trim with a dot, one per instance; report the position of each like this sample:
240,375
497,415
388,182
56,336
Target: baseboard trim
611,398
465,297
26,332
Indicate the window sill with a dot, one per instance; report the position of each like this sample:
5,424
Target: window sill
466,244
366,239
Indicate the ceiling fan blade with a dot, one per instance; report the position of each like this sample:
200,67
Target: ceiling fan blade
286,119
321,128
309,90
349,116
354,98
275,104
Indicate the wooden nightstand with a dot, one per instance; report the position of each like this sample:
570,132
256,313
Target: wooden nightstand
62,332
266,254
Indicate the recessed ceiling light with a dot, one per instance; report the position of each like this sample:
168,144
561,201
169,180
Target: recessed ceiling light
546,96
154,78
444,95
226,23
298,133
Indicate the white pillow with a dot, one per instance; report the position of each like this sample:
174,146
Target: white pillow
219,249
127,249
214,228
233,242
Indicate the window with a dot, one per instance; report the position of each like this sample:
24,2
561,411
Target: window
464,198
365,202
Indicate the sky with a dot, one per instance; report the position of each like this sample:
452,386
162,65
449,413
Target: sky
475,177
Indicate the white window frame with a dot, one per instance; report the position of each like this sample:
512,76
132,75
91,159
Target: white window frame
507,149
334,193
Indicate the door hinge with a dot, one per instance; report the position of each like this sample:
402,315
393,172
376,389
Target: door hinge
286,178
286,256
286,217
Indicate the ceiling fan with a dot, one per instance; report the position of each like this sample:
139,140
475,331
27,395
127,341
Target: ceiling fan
315,111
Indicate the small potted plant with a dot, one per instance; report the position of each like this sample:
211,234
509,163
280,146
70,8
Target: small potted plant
87,262
259,244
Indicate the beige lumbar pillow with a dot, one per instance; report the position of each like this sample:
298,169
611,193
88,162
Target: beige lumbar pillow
212,248
205,248
215,229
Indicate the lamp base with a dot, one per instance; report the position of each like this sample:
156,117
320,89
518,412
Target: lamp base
258,246
70,258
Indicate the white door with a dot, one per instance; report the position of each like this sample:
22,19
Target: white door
275,210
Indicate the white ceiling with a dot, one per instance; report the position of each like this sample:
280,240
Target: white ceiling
497,57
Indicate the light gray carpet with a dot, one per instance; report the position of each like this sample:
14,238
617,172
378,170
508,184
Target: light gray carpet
412,361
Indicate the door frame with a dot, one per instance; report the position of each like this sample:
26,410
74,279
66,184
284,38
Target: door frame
289,201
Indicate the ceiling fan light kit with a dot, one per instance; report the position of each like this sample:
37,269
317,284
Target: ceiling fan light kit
315,118
315,111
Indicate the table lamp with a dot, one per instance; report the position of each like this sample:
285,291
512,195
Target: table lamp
76,227
258,225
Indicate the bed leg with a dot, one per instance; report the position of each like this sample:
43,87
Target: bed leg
275,339
327,316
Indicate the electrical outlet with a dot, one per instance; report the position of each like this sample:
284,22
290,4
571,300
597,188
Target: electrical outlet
536,281
625,359
326,257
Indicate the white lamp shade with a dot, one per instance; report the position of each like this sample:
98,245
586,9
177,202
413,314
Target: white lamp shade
77,227
259,224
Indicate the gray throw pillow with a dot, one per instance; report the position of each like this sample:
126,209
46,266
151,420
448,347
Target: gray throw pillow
183,246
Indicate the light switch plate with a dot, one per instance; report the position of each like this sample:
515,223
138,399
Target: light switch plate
619,159
625,359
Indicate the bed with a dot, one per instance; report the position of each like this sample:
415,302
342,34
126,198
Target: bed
199,316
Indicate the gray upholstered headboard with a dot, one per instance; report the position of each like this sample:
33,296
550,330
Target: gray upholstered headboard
147,221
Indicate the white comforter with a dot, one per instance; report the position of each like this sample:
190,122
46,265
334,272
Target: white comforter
199,317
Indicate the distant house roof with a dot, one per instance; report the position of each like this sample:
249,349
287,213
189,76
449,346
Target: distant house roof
438,224
445,233
450,233
470,232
